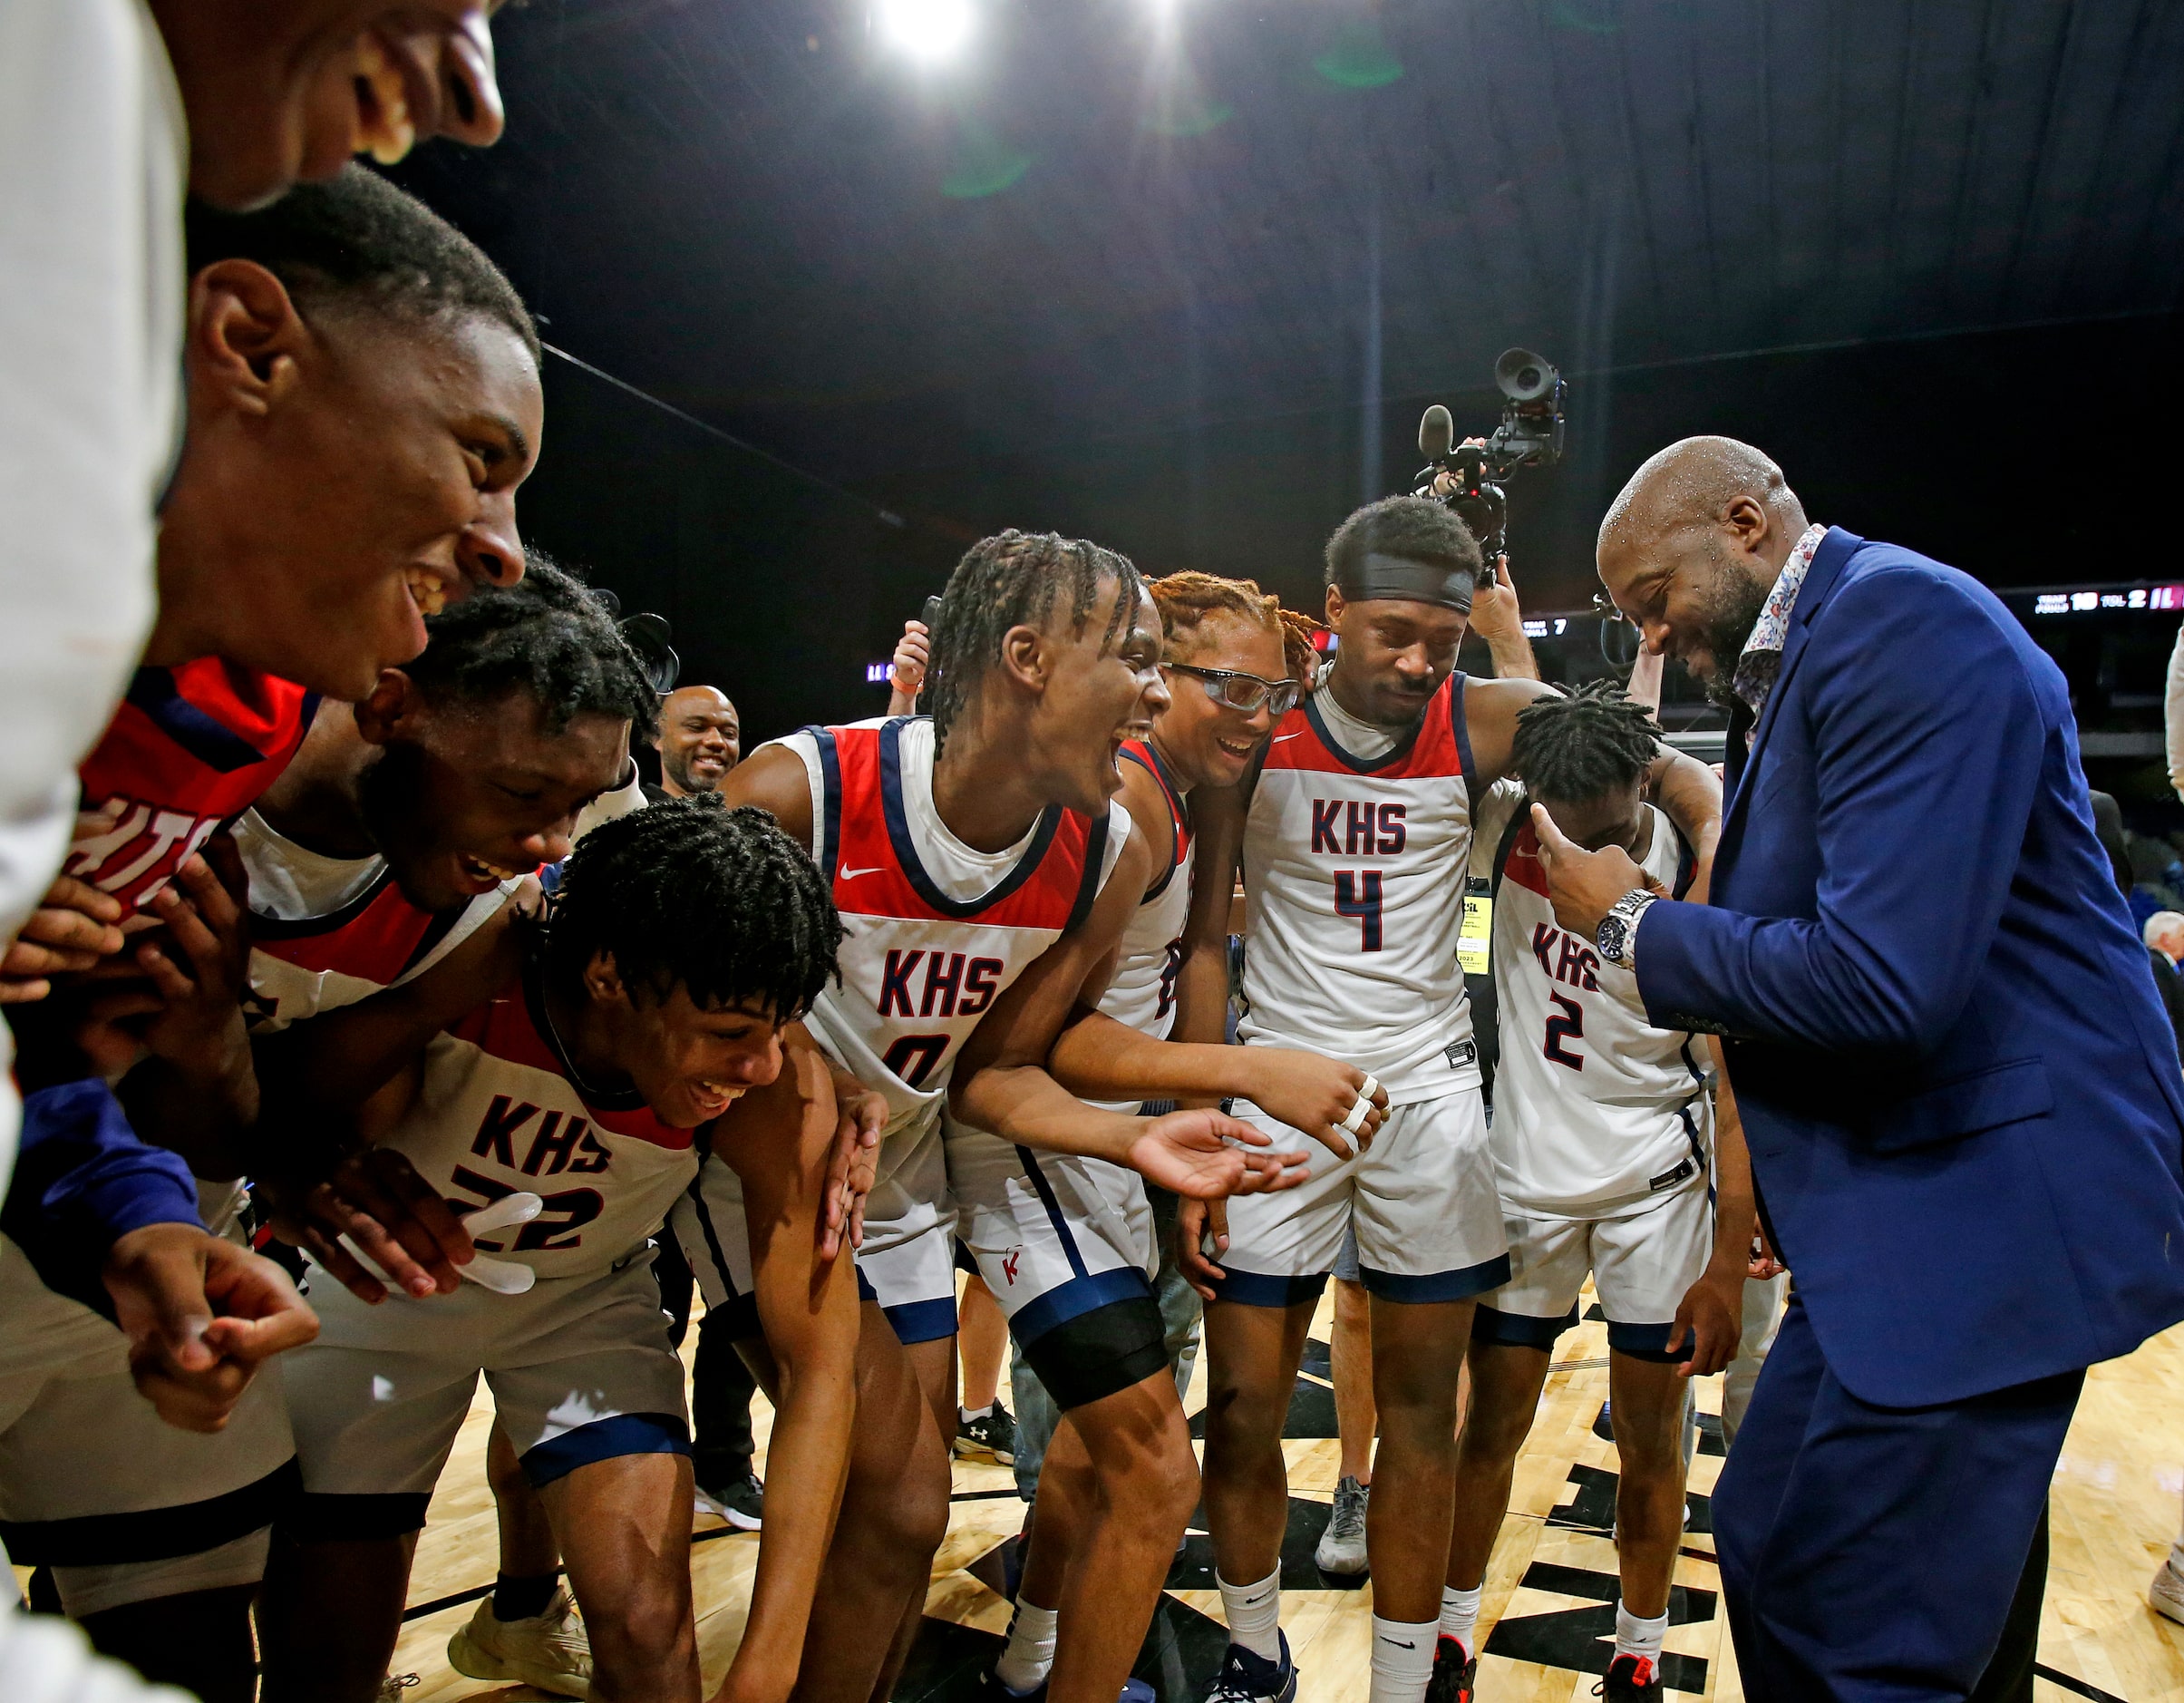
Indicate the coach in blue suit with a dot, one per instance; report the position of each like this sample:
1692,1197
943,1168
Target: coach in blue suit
1964,1113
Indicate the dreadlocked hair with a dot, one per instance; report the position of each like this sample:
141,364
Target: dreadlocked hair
690,891
548,635
1579,746
1186,599
1008,580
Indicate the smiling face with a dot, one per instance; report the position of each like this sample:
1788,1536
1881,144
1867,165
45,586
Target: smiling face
1694,593
470,793
341,480
1393,655
690,1062
1205,742
276,94
1096,693
701,739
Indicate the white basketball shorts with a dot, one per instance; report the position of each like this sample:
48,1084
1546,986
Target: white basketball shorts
908,1258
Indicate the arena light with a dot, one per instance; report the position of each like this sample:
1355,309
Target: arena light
930,31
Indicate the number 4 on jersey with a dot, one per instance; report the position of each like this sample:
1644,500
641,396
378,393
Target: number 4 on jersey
1358,894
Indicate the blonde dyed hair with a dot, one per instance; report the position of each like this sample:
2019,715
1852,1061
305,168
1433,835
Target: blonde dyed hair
1185,600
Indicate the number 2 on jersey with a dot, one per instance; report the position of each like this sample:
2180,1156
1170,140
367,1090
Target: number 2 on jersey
1566,1025
1358,894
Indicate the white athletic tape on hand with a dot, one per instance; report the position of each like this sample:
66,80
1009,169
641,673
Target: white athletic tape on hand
503,1277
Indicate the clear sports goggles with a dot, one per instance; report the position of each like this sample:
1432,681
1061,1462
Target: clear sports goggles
1244,693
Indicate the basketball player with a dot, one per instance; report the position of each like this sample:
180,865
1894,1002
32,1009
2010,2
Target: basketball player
1356,841
984,876
1232,668
1611,1164
576,1063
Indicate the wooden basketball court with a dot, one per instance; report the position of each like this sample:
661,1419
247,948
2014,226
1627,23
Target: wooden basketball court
1549,1617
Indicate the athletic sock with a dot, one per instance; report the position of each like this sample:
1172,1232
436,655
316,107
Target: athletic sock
1030,1656
1255,1614
1459,1615
1403,1659
965,1415
1635,1637
523,1596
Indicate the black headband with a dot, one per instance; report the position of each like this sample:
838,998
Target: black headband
1407,581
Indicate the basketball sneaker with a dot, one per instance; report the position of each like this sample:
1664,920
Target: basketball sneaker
741,1502
1246,1678
1342,1546
548,1652
2166,1594
1631,1677
1455,1672
992,1432
1134,1690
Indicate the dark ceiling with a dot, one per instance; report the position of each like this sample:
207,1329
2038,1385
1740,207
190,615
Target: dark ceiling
1184,285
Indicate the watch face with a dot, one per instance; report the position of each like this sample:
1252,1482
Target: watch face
1614,931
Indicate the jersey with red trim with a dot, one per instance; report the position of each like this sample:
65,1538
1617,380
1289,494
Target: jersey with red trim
1143,991
1593,1107
189,747
326,932
920,966
499,1111
1354,868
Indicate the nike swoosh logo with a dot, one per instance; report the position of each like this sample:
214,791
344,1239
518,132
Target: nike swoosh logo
1398,1643
1277,738
851,875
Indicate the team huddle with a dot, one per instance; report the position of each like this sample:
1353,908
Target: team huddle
899,995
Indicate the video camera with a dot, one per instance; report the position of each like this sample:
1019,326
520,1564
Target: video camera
1529,435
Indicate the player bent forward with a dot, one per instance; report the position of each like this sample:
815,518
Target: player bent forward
582,1062
1599,1140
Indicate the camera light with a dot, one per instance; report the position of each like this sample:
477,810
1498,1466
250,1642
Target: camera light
928,30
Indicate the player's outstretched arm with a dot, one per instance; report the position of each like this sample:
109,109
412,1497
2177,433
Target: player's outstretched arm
1490,708
1002,1081
1690,793
774,778
780,1140
1713,1310
1217,817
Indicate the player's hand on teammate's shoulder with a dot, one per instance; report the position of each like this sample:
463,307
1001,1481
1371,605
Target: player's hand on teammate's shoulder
1320,1097
1208,1154
201,1315
376,1198
1196,1222
74,928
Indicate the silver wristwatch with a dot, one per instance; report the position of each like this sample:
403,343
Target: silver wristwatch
1617,935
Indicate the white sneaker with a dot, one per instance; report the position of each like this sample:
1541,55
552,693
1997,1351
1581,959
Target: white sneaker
548,1652
1342,1546
2166,1594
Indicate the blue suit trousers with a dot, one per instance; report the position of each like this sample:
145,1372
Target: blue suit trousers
1871,1553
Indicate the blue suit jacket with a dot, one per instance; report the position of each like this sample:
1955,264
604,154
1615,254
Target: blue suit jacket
1964,1107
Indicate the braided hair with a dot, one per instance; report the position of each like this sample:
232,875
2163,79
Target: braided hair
1186,599
1012,579
1585,744
719,901
548,635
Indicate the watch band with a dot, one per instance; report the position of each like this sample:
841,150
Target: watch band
1617,937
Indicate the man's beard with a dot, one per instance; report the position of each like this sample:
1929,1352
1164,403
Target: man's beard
1733,604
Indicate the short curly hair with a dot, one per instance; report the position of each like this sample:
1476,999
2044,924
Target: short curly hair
1012,580
357,238
1186,599
548,635
691,893
1414,528
1577,747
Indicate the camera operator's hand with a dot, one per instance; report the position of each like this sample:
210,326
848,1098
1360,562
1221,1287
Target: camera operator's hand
1497,618
906,673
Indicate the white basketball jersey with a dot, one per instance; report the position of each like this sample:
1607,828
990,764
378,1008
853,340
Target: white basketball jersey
326,932
933,932
1142,992
498,1111
1594,1108
1354,871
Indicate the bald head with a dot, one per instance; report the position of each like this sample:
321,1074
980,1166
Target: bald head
1693,484
701,739
1690,547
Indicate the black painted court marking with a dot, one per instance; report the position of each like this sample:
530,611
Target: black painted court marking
2069,1683
461,1597
1583,1640
1593,1507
